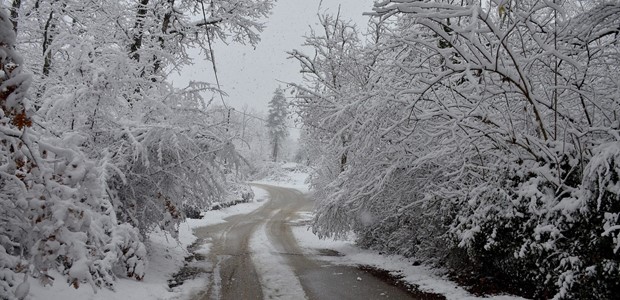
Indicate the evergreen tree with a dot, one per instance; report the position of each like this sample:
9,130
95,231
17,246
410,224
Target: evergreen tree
276,122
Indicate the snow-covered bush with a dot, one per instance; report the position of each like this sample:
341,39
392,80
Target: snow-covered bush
549,239
279,171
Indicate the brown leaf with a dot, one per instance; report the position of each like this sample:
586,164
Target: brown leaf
21,120
75,283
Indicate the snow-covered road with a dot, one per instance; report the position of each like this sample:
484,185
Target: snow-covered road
256,256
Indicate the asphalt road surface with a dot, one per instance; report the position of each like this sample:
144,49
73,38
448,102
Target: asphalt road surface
233,274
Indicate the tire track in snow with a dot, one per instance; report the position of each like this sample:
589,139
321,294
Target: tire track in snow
276,276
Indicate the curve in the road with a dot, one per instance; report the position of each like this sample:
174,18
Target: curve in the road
234,275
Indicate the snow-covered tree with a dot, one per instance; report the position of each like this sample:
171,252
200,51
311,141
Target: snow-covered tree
251,135
276,122
481,141
104,149
55,211
333,79
100,71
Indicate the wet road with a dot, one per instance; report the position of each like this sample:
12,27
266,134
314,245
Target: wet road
234,275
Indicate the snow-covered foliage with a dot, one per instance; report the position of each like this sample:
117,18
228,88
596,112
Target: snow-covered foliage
482,136
103,149
55,212
103,75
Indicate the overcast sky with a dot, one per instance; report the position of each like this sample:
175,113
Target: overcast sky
249,75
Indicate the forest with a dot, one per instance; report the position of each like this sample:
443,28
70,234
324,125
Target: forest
477,136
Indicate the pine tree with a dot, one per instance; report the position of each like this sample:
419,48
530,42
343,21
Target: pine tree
276,122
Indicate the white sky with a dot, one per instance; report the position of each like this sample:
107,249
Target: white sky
249,75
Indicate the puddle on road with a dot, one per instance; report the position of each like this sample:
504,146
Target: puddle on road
329,252
186,273
397,281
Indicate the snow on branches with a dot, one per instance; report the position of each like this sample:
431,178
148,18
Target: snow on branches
489,130
104,150
55,214
276,122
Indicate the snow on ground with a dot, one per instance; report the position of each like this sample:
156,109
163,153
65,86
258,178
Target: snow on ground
217,216
166,257
277,278
289,175
427,279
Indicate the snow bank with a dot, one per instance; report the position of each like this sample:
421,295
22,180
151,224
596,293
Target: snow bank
289,175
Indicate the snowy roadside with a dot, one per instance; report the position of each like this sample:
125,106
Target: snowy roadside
166,257
423,277
290,176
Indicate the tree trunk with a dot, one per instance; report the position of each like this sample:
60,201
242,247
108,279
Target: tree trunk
164,30
47,41
139,27
15,13
275,150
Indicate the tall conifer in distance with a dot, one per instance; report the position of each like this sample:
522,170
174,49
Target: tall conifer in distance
276,122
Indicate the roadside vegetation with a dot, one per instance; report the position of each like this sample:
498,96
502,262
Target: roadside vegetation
478,136
97,148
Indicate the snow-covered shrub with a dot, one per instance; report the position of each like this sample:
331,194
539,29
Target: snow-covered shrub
55,211
503,224
549,239
279,171
239,192
591,267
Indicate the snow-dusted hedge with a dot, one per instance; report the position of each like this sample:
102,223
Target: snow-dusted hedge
548,238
